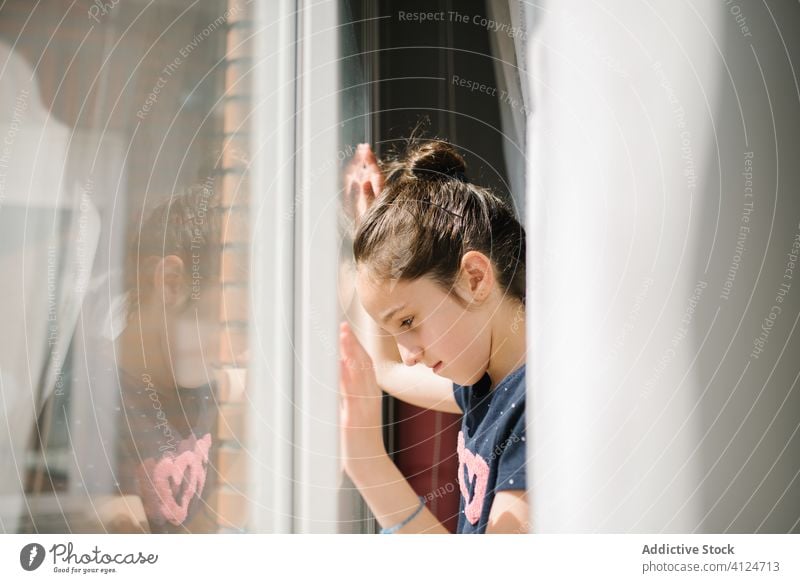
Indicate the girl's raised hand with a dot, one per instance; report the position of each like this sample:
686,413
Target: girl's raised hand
361,421
363,182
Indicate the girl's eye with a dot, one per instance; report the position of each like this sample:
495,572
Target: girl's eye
406,323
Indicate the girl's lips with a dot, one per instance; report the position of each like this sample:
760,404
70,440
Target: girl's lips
437,366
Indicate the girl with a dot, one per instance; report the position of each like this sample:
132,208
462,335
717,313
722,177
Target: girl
165,356
441,270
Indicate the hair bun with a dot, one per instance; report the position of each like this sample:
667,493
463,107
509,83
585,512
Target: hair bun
436,160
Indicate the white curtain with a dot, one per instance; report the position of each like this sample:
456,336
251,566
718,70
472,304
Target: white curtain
648,410
509,44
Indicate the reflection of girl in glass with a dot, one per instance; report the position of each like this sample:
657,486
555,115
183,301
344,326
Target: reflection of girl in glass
165,358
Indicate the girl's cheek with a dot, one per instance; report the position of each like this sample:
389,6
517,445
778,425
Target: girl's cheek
434,342
194,347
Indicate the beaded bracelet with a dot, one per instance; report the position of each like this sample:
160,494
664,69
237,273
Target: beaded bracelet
396,527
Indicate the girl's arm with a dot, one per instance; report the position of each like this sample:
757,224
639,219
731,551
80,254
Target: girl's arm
390,497
509,513
417,384
388,494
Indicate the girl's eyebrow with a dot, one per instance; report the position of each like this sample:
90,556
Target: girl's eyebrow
388,315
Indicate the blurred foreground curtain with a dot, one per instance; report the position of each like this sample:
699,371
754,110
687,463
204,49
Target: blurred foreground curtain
663,218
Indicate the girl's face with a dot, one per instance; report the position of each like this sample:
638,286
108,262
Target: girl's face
186,320
193,337
430,326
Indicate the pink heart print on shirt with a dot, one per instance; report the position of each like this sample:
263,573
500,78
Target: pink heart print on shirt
477,471
170,482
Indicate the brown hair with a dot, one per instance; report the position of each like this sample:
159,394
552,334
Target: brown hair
429,215
187,225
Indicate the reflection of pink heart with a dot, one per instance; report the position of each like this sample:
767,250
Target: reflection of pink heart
170,483
477,470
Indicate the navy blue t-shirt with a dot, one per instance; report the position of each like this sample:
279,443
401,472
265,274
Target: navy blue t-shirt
491,446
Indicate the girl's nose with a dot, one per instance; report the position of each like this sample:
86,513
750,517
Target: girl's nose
410,356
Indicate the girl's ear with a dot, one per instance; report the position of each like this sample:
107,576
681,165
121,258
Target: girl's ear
169,281
477,275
